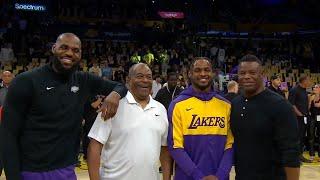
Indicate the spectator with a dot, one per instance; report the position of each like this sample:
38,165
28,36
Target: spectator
95,69
169,92
7,77
315,123
156,85
119,75
6,54
106,70
233,88
275,85
298,97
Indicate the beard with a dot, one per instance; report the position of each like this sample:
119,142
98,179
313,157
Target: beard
61,70
202,87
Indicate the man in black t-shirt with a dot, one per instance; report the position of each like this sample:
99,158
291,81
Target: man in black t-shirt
169,92
264,128
298,97
275,84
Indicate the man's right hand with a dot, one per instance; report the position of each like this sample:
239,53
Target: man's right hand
210,177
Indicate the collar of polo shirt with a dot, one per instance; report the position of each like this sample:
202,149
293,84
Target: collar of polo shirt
131,100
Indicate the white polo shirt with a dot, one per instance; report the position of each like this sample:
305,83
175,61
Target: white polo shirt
132,140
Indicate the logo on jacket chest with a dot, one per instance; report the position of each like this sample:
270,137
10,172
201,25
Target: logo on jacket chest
74,89
206,121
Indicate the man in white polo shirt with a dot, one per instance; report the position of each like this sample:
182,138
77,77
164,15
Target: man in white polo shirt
132,142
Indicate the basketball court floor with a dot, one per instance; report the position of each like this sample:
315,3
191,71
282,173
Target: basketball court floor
309,171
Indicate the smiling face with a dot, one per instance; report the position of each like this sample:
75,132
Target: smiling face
67,51
250,77
140,82
201,75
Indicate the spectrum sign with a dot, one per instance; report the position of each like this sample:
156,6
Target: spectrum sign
30,7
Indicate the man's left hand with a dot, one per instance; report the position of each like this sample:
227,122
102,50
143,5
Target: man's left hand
110,105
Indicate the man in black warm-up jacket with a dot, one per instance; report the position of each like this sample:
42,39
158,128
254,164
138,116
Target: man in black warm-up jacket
42,115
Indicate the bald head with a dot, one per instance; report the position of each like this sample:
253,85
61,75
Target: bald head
7,77
6,73
140,82
67,51
135,67
68,35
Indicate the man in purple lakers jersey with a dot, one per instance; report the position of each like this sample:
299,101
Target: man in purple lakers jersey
200,140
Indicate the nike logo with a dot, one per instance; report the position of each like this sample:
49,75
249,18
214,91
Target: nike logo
157,114
48,88
188,109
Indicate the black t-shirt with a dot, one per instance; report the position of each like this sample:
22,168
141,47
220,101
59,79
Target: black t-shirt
298,96
165,95
230,96
278,91
265,136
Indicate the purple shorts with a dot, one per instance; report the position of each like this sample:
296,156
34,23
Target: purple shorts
58,174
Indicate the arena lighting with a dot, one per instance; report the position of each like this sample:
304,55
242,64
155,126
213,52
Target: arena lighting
30,7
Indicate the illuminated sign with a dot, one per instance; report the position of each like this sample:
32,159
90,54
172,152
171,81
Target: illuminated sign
30,7
173,15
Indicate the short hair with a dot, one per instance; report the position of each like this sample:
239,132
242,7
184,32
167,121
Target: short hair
231,84
172,74
303,78
250,58
195,59
274,77
156,76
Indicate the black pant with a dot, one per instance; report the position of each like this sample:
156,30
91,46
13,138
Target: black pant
314,136
302,132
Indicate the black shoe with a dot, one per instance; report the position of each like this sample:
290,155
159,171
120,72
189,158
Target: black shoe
305,160
160,170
